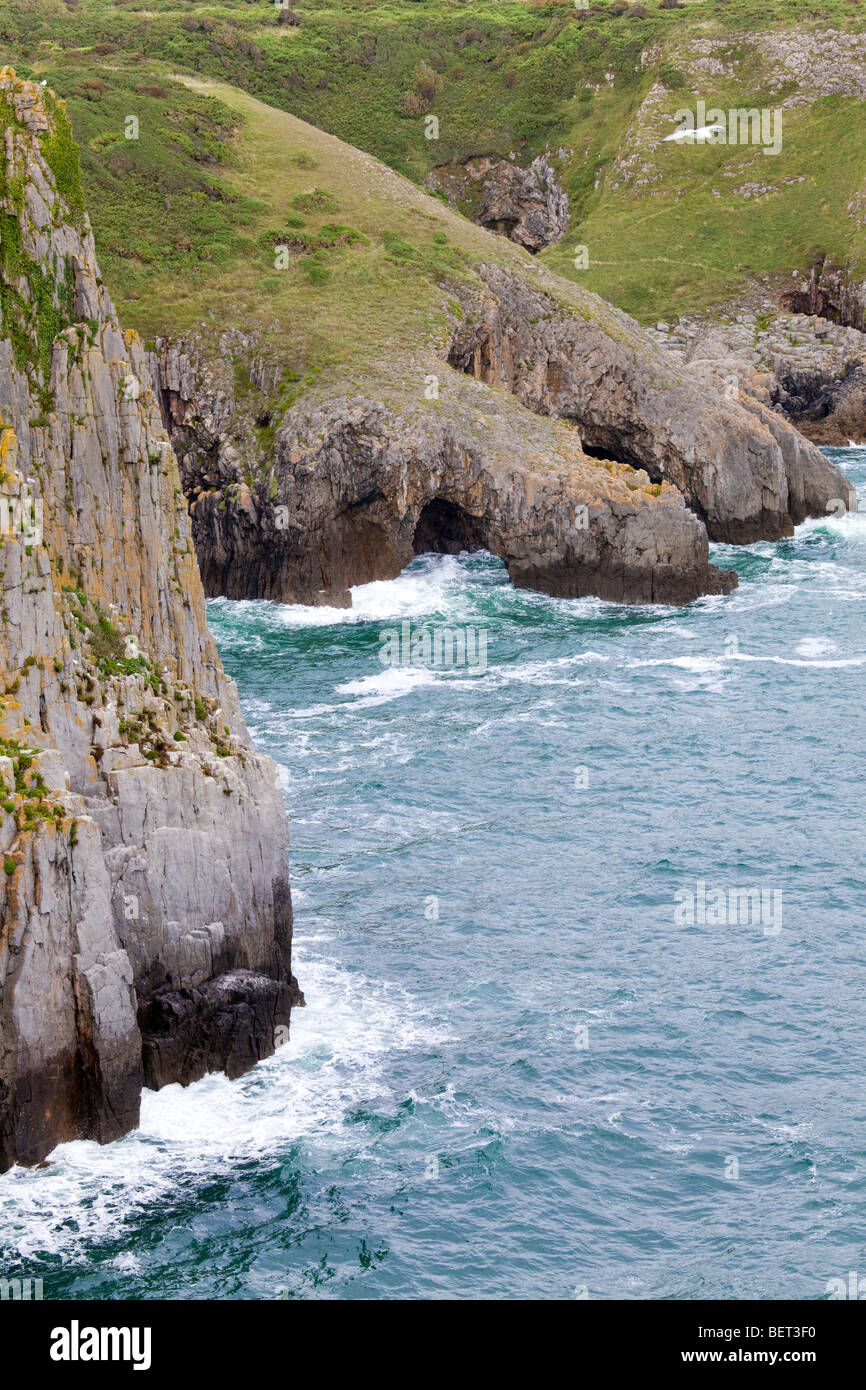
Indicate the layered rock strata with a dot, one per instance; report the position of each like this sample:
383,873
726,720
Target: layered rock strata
555,433
144,899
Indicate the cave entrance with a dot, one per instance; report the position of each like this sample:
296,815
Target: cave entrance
607,444
599,451
446,529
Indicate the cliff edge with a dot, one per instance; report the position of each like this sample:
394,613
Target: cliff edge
144,899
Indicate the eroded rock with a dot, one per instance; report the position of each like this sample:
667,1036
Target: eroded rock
144,840
528,205
744,471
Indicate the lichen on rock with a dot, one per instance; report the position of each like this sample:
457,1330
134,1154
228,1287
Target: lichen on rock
143,838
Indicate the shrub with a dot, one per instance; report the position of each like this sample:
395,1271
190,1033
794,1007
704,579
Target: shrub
412,105
427,82
397,248
672,78
315,270
315,198
92,88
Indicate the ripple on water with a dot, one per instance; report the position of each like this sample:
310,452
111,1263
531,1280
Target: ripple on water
517,1072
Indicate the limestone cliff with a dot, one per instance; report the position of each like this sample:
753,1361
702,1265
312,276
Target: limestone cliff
557,435
741,468
145,905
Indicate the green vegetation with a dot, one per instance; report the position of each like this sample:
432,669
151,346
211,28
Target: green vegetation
712,218
112,652
33,316
61,156
30,803
190,201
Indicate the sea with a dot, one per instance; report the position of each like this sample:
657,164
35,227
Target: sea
579,895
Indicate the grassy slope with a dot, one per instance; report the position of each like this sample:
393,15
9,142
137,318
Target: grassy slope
362,288
509,77
694,239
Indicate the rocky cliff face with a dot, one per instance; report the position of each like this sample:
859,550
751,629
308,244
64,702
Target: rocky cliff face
145,905
360,482
746,473
556,434
527,205
810,369
362,485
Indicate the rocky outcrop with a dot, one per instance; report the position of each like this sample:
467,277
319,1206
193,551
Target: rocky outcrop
363,485
556,435
527,205
144,899
828,292
809,369
828,407
746,473
359,483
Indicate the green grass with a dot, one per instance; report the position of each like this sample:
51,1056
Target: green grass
362,276
33,317
159,203
501,76
685,249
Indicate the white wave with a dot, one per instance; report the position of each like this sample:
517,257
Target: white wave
795,661
815,647
333,1062
698,665
813,652
849,525
547,672
389,685
419,590
749,596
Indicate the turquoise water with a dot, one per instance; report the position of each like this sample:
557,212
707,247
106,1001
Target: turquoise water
521,1072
